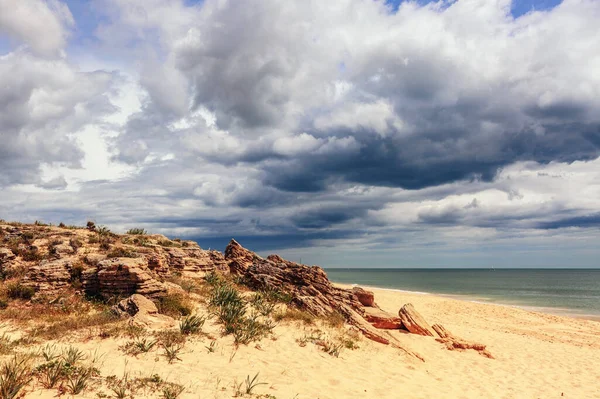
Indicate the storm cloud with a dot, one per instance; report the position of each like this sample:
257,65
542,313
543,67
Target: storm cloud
348,124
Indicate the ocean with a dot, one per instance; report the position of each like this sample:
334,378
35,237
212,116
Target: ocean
574,292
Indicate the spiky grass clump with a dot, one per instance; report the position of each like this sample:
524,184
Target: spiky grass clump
231,310
15,374
191,324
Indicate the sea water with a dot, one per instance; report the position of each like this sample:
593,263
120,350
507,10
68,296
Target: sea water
563,291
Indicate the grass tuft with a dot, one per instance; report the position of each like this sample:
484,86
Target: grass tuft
15,374
191,324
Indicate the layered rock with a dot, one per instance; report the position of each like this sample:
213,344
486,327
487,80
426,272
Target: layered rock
123,277
51,277
109,264
308,286
238,258
413,321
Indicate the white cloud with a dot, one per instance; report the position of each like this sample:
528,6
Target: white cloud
438,124
43,25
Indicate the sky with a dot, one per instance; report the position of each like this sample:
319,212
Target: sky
347,133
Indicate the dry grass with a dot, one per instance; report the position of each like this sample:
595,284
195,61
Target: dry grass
175,305
291,314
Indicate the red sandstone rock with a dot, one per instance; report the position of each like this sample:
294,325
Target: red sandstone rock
381,319
413,321
308,287
366,298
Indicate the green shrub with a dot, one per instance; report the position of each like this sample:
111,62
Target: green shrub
19,291
231,309
191,324
120,252
137,231
175,305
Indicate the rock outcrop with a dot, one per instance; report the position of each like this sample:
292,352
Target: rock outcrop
119,277
50,277
453,343
51,259
308,287
413,321
238,258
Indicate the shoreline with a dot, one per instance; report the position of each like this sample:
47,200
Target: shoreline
562,312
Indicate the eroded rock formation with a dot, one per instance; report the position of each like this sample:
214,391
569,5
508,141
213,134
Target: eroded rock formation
413,321
51,259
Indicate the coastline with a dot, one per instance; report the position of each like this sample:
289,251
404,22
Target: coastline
562,312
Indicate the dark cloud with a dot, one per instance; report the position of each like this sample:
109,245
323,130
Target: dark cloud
587,221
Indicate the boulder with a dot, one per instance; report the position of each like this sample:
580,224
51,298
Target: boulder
366,298
135,304
413,321
143,312
63,249
381,319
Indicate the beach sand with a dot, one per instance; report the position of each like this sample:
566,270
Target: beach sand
536,356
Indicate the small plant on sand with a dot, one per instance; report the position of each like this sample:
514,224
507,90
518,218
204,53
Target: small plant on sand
246,387
15,374
231,310
49,352
6,344
137,231
72,355
78,379
191,324
212,347
172,391
139,345
295,315
121,387
49,374
260,301
331,348
172,351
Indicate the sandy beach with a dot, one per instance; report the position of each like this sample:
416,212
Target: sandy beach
536,355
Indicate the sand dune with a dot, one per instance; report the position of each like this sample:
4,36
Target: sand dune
536,356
